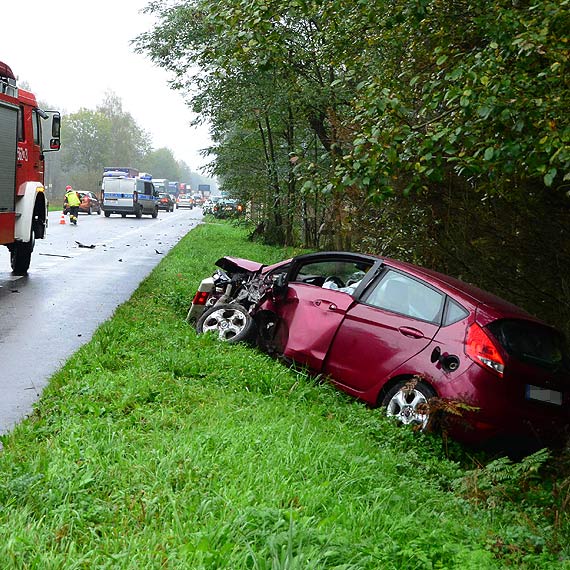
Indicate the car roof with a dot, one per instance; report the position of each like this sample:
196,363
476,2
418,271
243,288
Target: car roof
463,290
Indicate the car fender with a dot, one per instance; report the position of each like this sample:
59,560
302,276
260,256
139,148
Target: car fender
445,383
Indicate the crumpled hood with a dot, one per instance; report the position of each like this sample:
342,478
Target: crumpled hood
238,264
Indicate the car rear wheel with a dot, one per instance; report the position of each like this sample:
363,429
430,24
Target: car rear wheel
231,322
408,402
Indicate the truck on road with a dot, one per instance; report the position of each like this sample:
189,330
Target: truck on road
26,133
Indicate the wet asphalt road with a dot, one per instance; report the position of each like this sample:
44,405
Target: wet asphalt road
38,330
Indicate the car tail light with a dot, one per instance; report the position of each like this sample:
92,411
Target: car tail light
200,298
480,347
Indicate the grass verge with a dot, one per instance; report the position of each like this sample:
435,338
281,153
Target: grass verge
156,448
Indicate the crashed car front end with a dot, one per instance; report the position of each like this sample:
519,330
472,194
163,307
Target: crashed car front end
237,280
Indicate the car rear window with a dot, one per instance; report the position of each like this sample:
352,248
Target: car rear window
532,343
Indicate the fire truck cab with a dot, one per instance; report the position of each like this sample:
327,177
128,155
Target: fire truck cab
26,133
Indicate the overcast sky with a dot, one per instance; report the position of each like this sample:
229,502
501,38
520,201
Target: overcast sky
71,52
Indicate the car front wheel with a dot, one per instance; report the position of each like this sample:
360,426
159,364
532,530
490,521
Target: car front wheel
408,402
231,322
21,255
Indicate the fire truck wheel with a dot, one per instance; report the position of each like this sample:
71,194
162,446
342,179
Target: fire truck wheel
21,255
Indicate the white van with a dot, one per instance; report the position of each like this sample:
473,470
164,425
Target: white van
125,195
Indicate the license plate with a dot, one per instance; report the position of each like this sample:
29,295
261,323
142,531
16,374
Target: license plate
543,395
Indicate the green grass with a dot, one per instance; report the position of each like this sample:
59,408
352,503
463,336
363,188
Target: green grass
170,450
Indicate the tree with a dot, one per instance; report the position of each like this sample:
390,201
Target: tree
443,116
92,140
128,142
161,164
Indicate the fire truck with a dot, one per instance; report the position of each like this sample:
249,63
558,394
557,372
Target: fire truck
26,133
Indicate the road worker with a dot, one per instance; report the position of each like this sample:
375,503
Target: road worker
72,201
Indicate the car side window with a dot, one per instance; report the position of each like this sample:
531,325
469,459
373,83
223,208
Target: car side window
338,274
454,313
401,294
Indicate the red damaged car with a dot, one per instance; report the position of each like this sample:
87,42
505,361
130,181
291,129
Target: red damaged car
397,335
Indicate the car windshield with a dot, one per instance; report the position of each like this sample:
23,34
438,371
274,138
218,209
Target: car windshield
532,343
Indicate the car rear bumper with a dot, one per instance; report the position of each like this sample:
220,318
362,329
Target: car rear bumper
502,409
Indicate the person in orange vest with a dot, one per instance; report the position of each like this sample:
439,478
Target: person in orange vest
72,200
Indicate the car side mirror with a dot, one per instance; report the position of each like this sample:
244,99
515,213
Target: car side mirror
279,288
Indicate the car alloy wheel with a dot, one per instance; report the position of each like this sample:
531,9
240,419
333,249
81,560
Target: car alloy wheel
230,321
409,403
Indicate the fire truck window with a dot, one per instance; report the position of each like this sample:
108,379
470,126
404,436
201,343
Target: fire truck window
20,124
36,127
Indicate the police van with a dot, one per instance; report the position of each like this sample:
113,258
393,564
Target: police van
124,194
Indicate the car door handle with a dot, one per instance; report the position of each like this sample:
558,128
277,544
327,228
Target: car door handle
331,306
409,331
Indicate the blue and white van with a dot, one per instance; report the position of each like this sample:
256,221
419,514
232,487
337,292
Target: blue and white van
124,194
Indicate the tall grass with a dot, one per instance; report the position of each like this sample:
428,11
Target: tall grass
157,448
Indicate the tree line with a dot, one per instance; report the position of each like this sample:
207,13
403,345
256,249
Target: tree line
109,136
432,131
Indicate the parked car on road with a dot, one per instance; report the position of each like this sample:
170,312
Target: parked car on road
208,205
165,202
400,336
184,201
227,208
89,203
